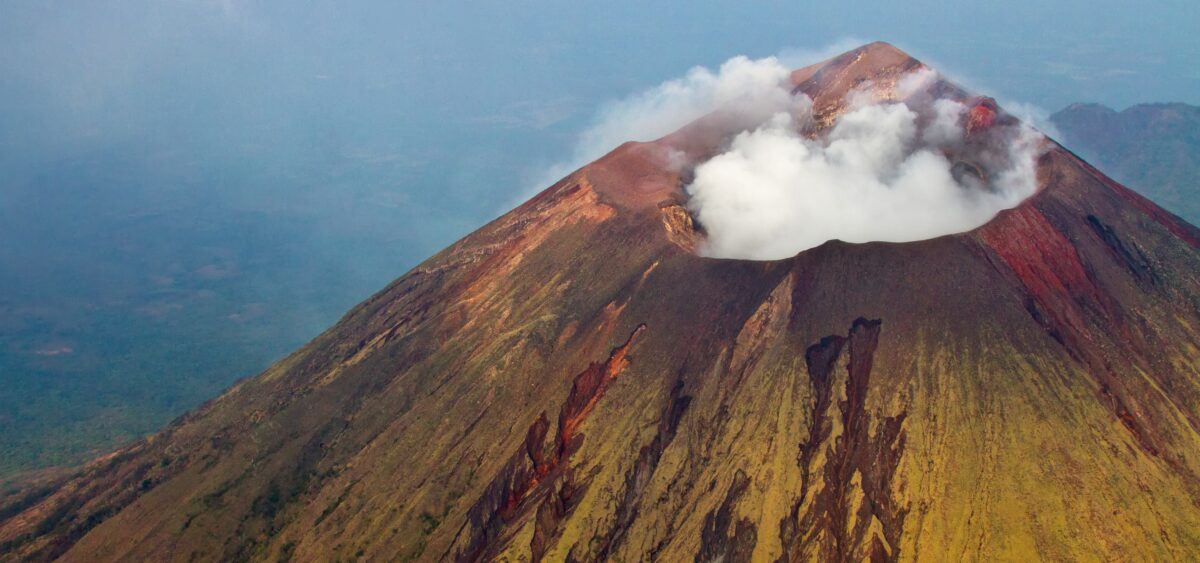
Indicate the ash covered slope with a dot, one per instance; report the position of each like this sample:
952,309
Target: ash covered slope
573,382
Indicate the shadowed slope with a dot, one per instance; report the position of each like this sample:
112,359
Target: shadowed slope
571,382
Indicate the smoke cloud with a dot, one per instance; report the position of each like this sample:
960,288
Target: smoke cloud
899,165
894,171
751,89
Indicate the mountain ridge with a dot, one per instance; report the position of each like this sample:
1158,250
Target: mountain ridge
573,382
1153,148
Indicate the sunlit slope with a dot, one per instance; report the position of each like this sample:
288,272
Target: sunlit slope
572,382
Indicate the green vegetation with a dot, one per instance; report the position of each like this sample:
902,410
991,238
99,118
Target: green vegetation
57,410
84,375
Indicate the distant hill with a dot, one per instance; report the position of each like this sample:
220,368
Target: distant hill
1152,148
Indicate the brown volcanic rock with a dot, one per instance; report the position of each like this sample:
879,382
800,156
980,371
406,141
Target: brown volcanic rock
571,382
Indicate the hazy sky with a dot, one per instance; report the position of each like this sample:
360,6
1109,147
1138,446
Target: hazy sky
410,123
460,102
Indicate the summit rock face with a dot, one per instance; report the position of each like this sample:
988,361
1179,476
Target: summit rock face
572,382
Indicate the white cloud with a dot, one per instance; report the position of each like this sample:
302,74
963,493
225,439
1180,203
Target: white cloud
754,89
944,129
1033,115
757,88
896,167
885,172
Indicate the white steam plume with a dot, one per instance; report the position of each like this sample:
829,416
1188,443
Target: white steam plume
754,88
886,171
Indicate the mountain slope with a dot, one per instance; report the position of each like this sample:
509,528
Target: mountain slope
1153,148
572,382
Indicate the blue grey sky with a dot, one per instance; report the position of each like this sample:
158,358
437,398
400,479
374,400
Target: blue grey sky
189,189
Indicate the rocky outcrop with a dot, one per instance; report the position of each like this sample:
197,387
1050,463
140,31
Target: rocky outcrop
851,514
532,473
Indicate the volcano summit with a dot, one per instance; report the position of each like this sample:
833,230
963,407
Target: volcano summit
581,379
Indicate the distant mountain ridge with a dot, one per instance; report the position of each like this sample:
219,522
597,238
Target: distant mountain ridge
1152,148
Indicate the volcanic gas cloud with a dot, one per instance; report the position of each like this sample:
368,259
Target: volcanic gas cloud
899,164
911,159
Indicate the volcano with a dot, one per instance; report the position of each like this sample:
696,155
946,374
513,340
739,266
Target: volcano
574,381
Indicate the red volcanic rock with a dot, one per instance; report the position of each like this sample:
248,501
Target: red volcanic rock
981,115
